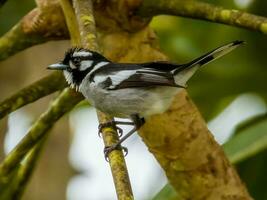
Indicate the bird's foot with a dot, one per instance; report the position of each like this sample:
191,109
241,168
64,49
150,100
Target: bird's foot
109,149
112,124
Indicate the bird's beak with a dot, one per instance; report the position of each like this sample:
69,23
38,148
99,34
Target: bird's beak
57,66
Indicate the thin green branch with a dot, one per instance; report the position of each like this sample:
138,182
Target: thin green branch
16,40
19,164
33,92
61,105
71,22
86,23
42,24
26,169
17,182
85,18
204,11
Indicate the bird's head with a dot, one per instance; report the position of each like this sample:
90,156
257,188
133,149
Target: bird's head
77,63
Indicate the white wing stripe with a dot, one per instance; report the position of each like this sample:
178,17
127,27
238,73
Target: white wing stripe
121,76
116,78
98,65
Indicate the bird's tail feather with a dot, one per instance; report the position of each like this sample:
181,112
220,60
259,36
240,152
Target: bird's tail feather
211,56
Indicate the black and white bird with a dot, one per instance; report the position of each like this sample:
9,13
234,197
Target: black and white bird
130,90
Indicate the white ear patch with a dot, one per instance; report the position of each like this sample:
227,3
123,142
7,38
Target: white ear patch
85,64
82,54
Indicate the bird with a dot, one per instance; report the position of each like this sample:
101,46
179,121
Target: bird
130,90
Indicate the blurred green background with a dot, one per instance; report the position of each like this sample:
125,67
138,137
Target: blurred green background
213,89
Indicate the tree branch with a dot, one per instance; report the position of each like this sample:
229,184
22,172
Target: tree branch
33,92
71,22
17,182
16,40
65,102
203,11
61,105
42,24
85,18
26,169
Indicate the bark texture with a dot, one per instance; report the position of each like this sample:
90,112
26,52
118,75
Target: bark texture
195,164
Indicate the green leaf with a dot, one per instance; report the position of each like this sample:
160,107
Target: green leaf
166,193
247,143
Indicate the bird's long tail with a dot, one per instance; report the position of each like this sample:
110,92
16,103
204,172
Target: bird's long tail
211,56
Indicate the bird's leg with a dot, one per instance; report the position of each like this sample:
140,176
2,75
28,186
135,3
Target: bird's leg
113,124
138,122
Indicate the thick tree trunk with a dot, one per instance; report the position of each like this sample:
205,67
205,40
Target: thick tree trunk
195,164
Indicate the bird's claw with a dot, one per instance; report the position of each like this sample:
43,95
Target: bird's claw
108,124
120,131
109,149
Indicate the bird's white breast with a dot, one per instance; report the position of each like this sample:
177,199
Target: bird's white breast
125,102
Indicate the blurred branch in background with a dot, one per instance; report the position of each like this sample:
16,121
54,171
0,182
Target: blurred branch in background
25,150
19,179
71,22
60,106
35,137
203,11
33,92
45,23
16,40
42,24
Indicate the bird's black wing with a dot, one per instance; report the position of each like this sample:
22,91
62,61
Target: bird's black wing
136,75
145,79
123,75
165,66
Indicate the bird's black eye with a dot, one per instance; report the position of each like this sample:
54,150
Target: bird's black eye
76,61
